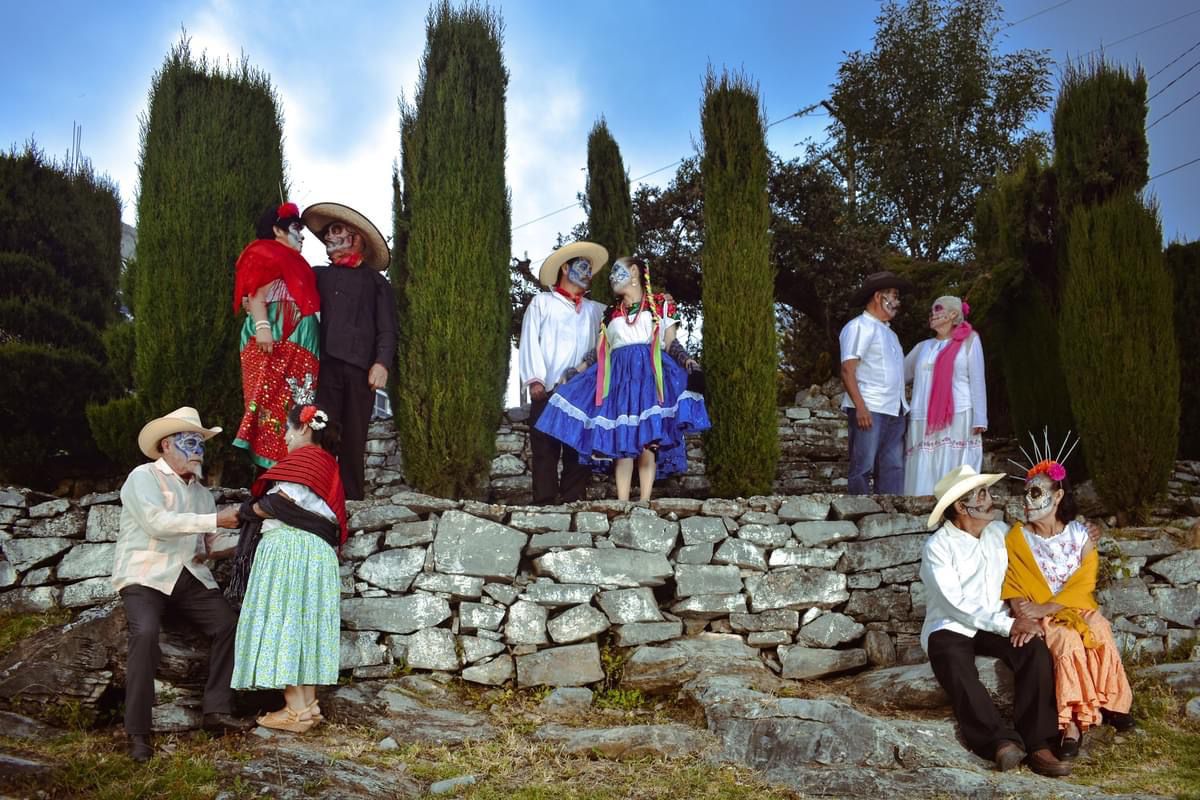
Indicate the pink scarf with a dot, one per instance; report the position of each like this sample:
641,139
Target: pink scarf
941,394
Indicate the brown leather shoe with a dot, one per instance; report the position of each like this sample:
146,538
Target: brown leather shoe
1043,762
1008,756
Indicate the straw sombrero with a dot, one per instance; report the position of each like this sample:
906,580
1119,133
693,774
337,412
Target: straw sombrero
375,250
953,485
594,253
178,421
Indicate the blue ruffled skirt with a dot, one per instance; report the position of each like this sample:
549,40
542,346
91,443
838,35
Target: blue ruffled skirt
631,418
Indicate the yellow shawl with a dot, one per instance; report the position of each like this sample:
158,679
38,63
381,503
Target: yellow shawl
1024,579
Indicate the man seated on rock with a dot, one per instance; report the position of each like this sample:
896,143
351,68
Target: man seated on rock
169,527
963,567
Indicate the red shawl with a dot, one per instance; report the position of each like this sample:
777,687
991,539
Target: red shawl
315,468
265,260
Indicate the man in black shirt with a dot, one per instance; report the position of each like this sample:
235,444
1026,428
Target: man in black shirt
358,328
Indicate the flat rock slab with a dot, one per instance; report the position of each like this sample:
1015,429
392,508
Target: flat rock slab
284,768
16,726
628,742
1183,677
467,545
617,567
573,665
394,614
666,668
404,715
915,687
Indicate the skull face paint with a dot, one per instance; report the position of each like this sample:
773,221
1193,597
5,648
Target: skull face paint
1041,499
980,503
187,453
619,276
939,314
295,236
579,272
341,241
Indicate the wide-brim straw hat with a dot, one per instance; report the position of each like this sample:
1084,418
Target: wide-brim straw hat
953,485
181,420
594,253
878,282
375,250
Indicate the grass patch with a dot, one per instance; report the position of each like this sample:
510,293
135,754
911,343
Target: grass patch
1161,756
15,627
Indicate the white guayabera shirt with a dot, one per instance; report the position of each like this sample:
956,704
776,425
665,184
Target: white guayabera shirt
556,337
963,577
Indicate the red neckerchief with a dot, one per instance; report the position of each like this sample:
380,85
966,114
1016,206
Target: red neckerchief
577,299
313,467
349,260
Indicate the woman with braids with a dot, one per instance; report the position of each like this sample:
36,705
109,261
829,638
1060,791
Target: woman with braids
287,566
631,404
280,336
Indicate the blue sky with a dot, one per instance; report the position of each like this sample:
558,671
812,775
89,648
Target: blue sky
339,69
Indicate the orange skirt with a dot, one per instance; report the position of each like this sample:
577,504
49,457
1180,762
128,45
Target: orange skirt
1086,681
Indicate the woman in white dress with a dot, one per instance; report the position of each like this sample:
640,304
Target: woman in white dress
949,399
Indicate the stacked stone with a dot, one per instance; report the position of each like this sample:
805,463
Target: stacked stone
1183,492
817,585
1153,596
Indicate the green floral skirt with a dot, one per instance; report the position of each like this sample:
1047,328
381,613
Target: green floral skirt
288,633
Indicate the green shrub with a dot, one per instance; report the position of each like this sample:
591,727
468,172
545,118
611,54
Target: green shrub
740,355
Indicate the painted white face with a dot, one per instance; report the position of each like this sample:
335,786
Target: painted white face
1041,499
186,454
939,315
341,239
619,276
579,272
979,503
890,301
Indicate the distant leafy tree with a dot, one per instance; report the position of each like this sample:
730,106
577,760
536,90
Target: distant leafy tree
453,237
740,355
211,160
606,199
930,114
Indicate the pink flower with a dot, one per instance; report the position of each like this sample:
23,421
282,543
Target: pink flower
966,307
1057,472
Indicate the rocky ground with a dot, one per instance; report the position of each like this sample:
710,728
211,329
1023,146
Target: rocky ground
694,718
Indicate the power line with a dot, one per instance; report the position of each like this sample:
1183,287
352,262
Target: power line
1139,33
1173,169
1173,110
1172,83
1173,61
802,112
1035,14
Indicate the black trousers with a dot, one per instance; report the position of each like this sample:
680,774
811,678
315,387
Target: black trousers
547,452
209,611
343,391
1035,710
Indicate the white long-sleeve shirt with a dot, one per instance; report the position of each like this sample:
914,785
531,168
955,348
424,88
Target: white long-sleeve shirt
880,372
969,383
963,577
555,336
167,525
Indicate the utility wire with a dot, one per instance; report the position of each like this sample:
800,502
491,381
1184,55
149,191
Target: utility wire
1173,61
1035,14
802,112
1140,33
1173,110
1172,83
1173,169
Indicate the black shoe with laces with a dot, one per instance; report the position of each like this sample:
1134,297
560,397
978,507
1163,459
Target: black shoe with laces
1119,720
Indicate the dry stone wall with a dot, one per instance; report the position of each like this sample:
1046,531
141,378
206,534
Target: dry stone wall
817,584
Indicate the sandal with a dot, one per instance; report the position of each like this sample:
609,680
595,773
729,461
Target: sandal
313,710
287,719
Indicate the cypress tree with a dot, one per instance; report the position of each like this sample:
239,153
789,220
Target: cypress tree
1118,350
211,160
60,230
738,290
453,237
609,206
1183,262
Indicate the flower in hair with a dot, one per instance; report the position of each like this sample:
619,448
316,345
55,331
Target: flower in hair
966,308
1051,469
287,211
313,417
307,413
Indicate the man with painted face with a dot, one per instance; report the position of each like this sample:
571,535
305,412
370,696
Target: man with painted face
558,335
358,328
962,568
169,525
873,374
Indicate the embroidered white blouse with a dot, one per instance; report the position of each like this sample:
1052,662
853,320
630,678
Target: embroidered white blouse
622,333
1059,556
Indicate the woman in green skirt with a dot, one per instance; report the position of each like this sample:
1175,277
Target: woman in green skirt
287,564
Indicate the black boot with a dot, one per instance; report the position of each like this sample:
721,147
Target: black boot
1119,720
141,748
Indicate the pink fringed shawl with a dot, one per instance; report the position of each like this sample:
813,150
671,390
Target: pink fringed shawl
941,393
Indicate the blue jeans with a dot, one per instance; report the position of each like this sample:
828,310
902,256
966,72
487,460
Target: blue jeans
877,454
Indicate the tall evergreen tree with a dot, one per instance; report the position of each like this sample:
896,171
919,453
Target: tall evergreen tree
609,206
1116,328
453,241
740,356
60,231
211,160
1183,262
